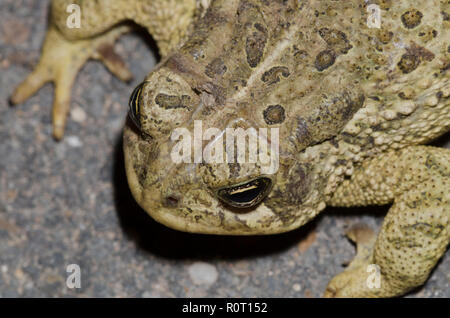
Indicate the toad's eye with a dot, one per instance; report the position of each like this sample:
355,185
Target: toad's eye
135,105
247,194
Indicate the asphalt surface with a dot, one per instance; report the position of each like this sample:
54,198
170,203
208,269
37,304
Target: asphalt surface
68,202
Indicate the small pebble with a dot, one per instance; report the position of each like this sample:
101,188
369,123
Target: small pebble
203,273
78,114
74,141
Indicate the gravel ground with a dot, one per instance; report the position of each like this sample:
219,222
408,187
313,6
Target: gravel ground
68,202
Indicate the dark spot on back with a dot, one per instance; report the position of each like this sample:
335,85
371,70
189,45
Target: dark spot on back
412,18
255,44
422,52
413,57
325,59
274,114
172,102
408,63
337,40
385,36
272,76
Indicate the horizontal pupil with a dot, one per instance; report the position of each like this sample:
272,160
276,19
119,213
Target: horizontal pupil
247,195
240,190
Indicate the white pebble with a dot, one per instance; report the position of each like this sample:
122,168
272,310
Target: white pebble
203,273
74,141
78,114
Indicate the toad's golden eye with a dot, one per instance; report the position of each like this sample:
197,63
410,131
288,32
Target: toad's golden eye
135,105
246,194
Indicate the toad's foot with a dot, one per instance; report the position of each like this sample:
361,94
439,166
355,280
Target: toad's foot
359,271
415,232
60,63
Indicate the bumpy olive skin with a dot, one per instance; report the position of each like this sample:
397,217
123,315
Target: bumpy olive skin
353,105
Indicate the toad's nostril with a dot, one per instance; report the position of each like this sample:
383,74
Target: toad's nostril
246,194
171,201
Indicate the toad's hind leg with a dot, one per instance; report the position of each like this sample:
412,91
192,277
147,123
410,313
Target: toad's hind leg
416,230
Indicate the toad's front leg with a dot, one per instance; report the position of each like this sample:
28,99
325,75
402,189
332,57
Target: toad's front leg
416,230
66,50
60,63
